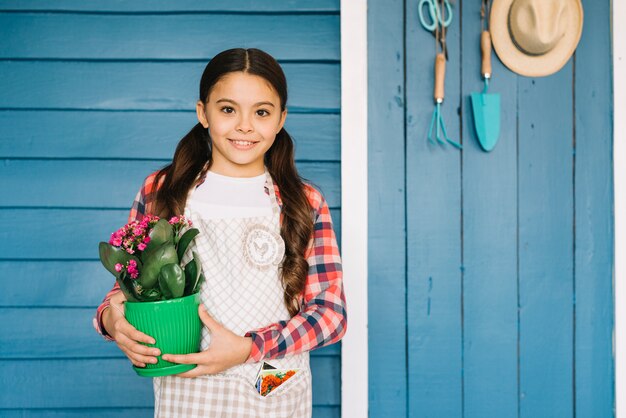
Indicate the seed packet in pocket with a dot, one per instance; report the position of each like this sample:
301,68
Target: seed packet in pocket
264,366
269,378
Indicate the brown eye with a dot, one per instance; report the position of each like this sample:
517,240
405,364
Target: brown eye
227,109
262,112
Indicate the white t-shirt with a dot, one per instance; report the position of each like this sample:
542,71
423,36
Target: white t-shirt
223,197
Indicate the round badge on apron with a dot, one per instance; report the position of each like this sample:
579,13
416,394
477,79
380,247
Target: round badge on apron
241,260
263,247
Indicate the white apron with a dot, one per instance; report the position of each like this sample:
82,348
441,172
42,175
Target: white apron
243,291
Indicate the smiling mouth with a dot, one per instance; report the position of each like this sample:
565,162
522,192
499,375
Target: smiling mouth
241,144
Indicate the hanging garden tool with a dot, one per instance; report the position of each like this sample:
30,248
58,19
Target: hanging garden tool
439,18
486,107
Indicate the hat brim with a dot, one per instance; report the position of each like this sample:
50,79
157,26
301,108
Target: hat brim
533,65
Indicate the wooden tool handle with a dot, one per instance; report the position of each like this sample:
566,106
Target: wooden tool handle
440,75
485,49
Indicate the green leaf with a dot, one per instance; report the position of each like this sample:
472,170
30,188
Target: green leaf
191,272
193,275
172,281
127,287
153,261
185,240
162,232
110,256
198,284
151,295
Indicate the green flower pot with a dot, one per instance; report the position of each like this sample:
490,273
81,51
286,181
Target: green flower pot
175,326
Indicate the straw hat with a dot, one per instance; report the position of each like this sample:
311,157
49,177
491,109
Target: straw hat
535,37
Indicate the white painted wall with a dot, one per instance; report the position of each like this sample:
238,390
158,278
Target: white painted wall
354,376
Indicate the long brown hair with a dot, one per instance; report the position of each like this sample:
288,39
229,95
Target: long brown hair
193,157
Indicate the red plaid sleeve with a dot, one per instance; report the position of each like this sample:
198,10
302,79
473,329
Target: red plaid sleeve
141,205
322,319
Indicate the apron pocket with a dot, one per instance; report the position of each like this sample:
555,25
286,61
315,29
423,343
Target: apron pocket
292,399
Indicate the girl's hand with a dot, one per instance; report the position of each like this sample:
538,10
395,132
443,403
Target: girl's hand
225,351
126,336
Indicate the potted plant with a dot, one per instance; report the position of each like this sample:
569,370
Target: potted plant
146,258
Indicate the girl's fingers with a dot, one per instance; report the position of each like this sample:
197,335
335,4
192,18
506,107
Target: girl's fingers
141,337
136,363
139,354
207,320
143,359
142,349
133,359
195,358
198,371
127,329
131,345
128,338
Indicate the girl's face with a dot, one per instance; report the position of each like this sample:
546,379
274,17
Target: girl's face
243,116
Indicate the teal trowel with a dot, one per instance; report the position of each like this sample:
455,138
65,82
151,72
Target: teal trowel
486,107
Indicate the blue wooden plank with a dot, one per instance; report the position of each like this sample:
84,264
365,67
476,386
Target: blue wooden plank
76,338
434,283
318,412
75,383
489,241
73,283
328,351
316,137
68,234
159,36
594,368
546,245
109,383
144,85
326,372
110,183
249,6
163,93
386,211
78,413
326,412
68,333
146,135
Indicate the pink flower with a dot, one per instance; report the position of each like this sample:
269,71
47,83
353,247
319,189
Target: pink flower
148,220
118,267
174,220
116,238
132,269
141,246
146,240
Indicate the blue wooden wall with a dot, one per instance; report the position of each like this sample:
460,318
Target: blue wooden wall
95,96
490,288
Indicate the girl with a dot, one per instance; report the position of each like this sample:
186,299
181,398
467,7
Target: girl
273,288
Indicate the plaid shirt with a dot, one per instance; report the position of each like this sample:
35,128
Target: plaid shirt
322,317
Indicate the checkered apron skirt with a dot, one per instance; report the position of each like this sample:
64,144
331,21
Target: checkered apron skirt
240,259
